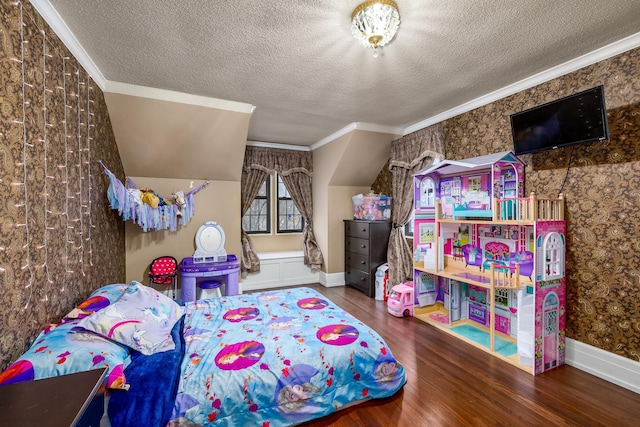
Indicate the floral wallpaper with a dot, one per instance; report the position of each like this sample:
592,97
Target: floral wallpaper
600,182
59,240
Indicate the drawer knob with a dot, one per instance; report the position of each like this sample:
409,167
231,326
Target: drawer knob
362,262
364,229
362,279
363,246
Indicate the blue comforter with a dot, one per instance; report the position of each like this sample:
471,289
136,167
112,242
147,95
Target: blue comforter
277,358
153,383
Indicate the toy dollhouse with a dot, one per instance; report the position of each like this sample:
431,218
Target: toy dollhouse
489,262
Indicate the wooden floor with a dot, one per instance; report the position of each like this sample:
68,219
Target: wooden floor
452,383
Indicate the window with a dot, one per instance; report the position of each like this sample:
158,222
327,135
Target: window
408,228
257,220
289,218
475,183
427,193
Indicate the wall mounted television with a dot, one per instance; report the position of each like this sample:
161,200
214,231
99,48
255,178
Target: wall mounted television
577,118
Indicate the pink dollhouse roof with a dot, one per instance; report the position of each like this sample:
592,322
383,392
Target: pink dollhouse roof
447,167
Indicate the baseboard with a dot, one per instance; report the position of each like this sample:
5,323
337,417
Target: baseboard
603,364
331,280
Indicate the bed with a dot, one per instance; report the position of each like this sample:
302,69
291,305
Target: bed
274,358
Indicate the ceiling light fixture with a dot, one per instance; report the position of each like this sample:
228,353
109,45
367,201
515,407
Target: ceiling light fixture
375,23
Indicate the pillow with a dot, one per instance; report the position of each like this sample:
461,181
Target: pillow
111,292
142,319
87,307
66,349
98,300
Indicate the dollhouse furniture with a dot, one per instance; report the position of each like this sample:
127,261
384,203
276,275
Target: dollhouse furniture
479,204
472,255
524,260
456,250
365,249
495,253
191,273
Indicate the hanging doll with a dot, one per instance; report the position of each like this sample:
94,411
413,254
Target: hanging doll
179,200
150,198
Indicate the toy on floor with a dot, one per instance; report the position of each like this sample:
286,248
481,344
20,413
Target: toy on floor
400,302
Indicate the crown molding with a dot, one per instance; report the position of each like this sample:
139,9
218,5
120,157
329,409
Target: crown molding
370,127
280,146
597,55
59,27
180,97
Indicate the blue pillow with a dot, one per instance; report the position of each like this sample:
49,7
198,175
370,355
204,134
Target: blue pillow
66,349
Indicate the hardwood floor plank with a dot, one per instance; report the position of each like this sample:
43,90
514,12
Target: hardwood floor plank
452,383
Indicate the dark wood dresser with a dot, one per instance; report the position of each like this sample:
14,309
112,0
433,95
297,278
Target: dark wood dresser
68,400
365,245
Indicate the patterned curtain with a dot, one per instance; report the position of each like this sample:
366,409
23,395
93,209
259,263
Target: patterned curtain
296,170
253,176
409,155
298,184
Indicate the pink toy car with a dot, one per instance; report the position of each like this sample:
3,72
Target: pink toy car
400,302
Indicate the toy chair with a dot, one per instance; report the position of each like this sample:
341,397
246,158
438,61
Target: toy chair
472,255
524,259
447,206
164,271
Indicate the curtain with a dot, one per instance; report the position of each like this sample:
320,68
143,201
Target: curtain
296,170
253,176
409,155
298,184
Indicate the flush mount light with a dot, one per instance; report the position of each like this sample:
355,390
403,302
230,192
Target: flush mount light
375,23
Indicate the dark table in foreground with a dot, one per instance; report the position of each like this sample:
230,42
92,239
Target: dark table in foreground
67,400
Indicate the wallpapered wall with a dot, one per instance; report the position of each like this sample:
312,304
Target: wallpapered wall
602,193
59,240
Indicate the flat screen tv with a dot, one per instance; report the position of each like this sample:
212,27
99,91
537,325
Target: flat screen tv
577,118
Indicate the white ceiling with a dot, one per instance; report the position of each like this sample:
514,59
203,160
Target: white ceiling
298,64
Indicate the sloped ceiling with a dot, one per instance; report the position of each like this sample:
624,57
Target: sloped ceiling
158,138
308,78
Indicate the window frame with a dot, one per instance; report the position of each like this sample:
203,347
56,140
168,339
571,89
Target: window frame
268,192
273,182
287,198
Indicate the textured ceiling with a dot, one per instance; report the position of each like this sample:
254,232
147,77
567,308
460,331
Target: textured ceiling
298,63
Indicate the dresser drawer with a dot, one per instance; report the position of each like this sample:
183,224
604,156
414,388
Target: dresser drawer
359,280
356,260
354,244
357,229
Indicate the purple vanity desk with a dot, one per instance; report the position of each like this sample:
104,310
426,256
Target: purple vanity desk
191,273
